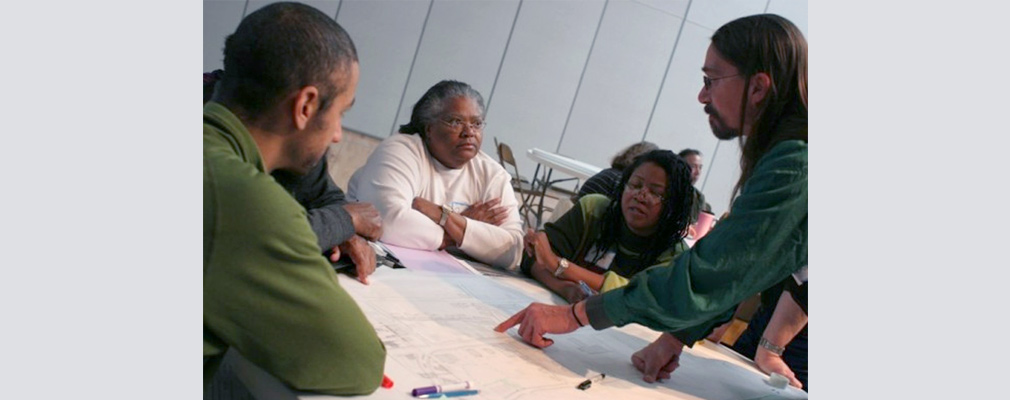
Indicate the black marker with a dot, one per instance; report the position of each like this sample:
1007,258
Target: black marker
589,382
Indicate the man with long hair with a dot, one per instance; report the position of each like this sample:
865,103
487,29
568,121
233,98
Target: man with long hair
755,89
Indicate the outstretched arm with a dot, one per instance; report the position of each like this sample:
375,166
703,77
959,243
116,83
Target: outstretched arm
763,241
787,321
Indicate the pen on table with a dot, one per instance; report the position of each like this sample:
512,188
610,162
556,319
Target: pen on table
589,382
585,289
457,393
442,388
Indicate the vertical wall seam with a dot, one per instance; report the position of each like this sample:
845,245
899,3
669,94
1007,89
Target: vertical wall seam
411,71
710,159
669,62
487,107
581,76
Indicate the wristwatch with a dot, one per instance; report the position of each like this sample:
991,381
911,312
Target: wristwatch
445,215
778,350
562,266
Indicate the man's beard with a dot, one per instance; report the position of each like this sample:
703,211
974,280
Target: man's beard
718,125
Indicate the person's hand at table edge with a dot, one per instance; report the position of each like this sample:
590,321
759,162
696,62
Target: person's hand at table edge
769,362
362,255
542,254
659,359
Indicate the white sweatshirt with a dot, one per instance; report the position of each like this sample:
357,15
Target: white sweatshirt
401,168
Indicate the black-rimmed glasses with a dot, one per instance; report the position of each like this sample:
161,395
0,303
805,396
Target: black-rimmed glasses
708,81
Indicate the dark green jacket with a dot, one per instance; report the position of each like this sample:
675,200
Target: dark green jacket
267,290
763,240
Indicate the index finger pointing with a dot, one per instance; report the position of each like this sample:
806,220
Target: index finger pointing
512,321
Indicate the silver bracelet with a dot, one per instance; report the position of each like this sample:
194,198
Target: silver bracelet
445,215
562,266
778,350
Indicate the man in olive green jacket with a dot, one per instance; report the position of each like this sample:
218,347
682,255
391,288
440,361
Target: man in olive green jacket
290,73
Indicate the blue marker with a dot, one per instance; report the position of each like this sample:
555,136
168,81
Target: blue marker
458,393
585,289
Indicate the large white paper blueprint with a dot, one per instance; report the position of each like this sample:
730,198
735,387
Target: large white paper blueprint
438,329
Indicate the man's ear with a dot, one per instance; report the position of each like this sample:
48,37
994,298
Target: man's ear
760,87
306,105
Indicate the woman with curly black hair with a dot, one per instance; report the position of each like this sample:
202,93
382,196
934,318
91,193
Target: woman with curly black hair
604,242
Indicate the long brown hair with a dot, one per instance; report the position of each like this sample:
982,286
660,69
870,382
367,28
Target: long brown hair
771,44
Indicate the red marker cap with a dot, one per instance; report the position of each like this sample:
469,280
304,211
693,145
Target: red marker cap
386,382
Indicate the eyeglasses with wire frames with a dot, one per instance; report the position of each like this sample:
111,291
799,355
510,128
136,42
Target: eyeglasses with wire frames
457,124
649,197
708,81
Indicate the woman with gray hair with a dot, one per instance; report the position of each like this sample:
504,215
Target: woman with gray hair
434,187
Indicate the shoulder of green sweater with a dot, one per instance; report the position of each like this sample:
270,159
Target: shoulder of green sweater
245,192
225,136
786,160
791,150
219,115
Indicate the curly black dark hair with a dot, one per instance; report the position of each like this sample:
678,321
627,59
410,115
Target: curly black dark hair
673,219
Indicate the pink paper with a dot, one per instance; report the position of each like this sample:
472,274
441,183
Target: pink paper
429,261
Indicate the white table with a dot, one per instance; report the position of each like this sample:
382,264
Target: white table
578,170
569,166
437,328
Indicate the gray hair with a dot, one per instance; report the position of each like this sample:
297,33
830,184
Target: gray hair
433,101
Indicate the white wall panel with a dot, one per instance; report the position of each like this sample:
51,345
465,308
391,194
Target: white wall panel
464,41
328,7
793,10
220,18
621,82
677,8
722,176
540,75
712,14
386,35
680,121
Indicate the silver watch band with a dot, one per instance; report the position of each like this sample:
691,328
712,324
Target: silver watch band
778,350
445,215
562,266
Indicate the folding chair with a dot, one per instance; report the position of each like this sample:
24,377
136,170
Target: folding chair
529,192
526,190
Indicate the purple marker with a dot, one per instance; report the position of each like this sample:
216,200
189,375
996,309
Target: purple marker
441,388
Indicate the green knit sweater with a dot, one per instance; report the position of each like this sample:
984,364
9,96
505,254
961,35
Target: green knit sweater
267,290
